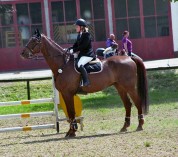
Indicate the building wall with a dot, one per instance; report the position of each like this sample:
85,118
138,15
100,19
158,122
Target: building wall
174,15
103,17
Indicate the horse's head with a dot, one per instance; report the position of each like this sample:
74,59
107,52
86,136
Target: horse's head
33,46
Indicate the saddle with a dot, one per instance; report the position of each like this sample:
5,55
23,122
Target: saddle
99,53
93,66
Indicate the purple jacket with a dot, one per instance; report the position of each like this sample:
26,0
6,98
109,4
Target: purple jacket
109,42
128,42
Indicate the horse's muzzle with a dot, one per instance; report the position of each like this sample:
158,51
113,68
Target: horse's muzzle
26,54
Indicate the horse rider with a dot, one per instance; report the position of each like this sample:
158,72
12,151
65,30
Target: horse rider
83,48
110,51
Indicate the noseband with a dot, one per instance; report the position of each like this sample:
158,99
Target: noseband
31,50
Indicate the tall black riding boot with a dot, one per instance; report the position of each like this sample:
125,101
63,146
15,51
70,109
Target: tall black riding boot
84,74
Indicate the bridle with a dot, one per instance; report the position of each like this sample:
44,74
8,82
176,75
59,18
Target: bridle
31,50
38,42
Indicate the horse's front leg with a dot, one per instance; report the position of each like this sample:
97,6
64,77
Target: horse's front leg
69,101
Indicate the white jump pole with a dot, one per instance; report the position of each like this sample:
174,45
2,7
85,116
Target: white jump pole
27,128
27,115
26,102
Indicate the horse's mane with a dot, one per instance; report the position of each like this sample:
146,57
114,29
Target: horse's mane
54,43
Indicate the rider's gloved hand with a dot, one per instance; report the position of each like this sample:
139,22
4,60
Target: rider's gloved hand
71,51
65,49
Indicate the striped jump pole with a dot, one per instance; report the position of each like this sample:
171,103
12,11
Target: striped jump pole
26,102
27,115
27,128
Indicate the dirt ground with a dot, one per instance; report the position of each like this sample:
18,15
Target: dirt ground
100,138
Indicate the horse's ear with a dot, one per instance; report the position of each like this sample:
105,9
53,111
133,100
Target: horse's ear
37,33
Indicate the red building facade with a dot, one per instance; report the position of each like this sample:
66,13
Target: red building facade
149,23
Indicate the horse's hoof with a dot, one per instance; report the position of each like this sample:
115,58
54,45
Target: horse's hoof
70,134
139,128
123,130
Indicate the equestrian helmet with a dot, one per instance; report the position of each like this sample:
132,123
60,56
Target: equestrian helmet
81,22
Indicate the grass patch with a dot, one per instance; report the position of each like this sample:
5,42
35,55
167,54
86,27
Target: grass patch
26,108
147,144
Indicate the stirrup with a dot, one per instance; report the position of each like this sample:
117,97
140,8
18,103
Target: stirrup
82,84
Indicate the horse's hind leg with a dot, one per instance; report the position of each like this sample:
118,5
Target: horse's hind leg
137,101
127,105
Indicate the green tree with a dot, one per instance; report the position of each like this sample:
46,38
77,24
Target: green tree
174,0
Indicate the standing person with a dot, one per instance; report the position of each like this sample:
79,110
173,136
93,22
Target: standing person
110,41
126,43
83,48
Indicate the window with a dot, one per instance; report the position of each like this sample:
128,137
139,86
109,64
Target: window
63,17
148,7
134,28
7,30
120,10
64,13
29,17
98,9
121,25
57,12
127,16
94,13
156,18
133,8
100,30
150,27
163,26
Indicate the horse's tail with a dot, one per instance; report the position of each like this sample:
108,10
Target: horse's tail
142,84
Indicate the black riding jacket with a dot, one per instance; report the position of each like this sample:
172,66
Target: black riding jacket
83,45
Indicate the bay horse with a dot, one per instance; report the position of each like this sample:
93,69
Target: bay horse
126,74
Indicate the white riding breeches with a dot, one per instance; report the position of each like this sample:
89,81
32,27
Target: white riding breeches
84,60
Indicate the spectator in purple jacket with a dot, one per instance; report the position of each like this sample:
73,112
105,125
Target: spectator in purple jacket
126,43
110,41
